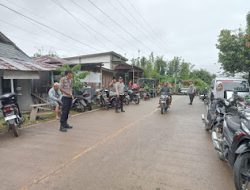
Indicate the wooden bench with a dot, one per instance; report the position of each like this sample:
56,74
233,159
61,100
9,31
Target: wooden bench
36,107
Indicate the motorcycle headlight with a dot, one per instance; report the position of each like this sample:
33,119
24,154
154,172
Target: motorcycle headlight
163,96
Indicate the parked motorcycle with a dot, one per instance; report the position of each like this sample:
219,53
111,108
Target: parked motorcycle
217,109
87,99
146,95
232,142
11,112
105,98
78,103
164,102
204,98
82,100
126,99
134,96
215,114
131,96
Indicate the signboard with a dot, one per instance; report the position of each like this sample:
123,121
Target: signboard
93,77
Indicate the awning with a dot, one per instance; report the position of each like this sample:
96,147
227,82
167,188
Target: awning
20,75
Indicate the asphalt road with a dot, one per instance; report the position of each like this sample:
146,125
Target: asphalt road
136,150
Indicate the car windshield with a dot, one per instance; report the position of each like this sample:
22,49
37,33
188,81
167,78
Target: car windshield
236,85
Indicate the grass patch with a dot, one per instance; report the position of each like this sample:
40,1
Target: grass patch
41,117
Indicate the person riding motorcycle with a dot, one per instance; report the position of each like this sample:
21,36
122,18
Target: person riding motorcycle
165,90
215,98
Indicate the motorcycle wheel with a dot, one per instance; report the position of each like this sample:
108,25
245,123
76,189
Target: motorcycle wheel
81,107
241,172
137,100
90,107
126,101
14,129
162,110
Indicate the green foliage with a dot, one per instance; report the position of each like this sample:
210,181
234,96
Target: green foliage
174,67
234,54
41,52
248,23
78,75
174,71
200,84
202,74
231,55
160,66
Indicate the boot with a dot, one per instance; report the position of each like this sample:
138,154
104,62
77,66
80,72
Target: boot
63,129
68,126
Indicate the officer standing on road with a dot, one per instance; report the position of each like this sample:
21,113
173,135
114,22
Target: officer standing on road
112,90
67,97
119,86
191,92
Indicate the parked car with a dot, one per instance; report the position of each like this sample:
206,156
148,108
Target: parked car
183,91
238,85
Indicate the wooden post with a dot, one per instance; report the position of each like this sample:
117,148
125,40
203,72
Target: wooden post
12,86
52,77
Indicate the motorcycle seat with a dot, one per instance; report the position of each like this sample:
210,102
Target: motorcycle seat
7,96
233,123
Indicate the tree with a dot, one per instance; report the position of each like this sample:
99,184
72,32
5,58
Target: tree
77,77
174,67
41,51
143,62
248,23
234,54
185,69
202,74
231,51
160,65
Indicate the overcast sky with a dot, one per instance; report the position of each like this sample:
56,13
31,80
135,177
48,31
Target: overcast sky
132,28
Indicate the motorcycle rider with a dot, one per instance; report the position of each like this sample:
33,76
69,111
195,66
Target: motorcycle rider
215,96
165,90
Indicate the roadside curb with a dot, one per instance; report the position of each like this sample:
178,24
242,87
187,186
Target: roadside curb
33,125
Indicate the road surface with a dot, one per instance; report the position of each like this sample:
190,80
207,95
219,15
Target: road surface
136,150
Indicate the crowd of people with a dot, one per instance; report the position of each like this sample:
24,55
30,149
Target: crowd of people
61,96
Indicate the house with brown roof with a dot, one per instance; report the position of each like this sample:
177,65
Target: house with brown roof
108,64
17,71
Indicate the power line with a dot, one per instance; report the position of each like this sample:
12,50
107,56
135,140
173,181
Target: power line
48,27
148,36
33,33
143,19
40,27
81,22
121,27
99,21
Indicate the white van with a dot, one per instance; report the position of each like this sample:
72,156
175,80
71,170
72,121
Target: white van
238,85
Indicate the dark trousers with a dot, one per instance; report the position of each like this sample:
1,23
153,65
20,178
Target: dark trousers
66,105
119,102
191,97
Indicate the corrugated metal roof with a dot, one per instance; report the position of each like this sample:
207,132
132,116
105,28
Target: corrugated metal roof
20,65
10,51
14,59
51,60
98,54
